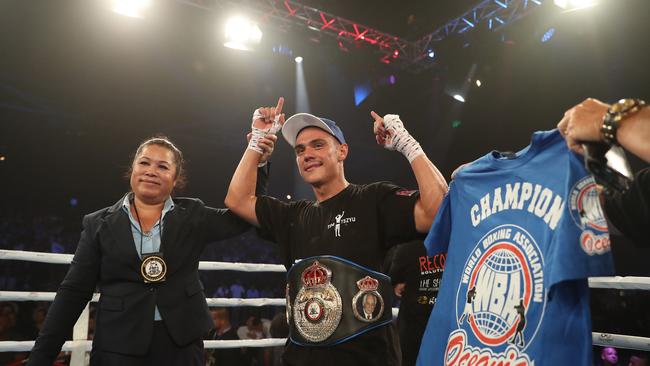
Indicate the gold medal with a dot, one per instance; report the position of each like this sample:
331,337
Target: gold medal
153,268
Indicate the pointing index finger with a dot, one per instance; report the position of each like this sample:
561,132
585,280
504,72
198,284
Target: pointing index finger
278,108
375,115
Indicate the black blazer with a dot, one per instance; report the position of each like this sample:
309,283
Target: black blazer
106,257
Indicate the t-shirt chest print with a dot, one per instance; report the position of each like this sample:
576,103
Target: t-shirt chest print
501,290
513,231
340,221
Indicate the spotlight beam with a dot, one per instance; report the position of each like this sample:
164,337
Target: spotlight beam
301,189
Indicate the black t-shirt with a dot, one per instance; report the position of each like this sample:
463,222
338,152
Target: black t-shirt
408,263
360,224
630,212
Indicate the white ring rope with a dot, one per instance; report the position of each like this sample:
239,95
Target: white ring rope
601,339
598,339
621,283
19,255
620,341
218,301
26,346
266,342
244,267
246,302
32,296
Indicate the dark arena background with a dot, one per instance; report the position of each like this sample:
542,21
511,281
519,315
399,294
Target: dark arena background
82,83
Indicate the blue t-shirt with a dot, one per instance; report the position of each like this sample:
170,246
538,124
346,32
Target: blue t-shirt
522,234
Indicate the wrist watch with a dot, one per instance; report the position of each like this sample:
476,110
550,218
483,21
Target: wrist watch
615,114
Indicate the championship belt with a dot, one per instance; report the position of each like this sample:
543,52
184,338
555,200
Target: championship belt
331,300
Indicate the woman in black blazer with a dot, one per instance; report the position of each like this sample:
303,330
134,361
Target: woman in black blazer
142,254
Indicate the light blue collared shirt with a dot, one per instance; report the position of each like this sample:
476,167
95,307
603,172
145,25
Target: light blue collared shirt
151,239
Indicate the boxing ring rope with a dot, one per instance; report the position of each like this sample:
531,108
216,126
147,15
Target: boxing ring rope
621,283
86,345
57,258
79,345
620,341
224,302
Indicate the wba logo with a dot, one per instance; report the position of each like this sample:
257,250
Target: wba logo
501,297
588,215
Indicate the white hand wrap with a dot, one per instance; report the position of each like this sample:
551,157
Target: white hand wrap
400,139
258,133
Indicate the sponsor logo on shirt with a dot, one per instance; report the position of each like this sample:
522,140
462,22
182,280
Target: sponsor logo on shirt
426,300
500,299
429,284
340,220
588,215
431,265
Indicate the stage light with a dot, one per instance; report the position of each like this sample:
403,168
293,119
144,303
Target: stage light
392,80
548,35
478,83
131,8
288,196
2,157
431,54
455,123
73,202
242,34
459,98
575,4
298,59
283,50
361,92
395,53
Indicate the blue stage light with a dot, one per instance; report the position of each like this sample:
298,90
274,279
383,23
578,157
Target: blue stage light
548,35
361,92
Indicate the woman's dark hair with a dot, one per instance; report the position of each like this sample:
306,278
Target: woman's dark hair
163,141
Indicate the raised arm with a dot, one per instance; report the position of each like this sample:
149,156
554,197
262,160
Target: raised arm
390,133
432,186
241,197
